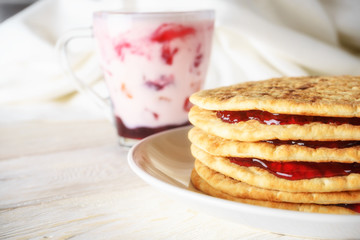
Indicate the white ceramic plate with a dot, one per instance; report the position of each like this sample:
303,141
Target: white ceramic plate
164,161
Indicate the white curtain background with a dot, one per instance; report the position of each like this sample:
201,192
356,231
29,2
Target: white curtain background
254,40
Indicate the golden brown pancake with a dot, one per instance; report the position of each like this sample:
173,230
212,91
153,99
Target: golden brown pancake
203,186
317,96
242,190
223,147
252,130
261,178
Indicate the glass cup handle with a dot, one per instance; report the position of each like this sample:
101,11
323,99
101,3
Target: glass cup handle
82,87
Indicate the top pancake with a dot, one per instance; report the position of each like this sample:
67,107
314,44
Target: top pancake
313,96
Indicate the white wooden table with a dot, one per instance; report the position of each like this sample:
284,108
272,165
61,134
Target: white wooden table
70,180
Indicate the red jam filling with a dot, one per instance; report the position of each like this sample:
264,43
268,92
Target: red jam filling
281,119
300,170
141,132
354,207
303,170
120,47
316,144
167,32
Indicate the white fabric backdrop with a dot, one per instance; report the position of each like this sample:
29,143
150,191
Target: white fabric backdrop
254,40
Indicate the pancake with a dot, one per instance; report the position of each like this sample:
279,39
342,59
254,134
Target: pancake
203,186
223,147
242,190
316,96
290,143
252,130
261,178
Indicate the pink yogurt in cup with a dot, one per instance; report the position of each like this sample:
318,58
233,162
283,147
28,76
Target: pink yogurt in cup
152,63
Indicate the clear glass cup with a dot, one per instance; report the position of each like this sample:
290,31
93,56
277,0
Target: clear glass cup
152,62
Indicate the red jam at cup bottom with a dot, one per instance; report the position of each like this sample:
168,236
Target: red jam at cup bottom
300,170
141,132
281,119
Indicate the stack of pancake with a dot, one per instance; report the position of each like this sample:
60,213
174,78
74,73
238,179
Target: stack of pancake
289,143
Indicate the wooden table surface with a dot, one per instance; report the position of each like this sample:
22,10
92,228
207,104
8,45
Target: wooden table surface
71,180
